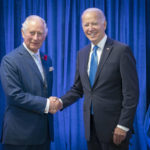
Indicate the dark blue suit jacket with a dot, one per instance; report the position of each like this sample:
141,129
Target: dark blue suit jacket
115,92
25,122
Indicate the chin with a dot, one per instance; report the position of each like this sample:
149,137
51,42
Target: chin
94,42
92,39
34,49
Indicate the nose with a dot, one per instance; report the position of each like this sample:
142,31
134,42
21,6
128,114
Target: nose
35,37
90,27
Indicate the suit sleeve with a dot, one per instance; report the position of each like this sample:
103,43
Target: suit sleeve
76,91
13,88
130,88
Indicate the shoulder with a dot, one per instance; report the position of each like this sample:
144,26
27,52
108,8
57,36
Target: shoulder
85,49
116,43
14,53
118,47
124,51
12,58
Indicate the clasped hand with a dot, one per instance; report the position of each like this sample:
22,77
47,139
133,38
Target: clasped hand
55,104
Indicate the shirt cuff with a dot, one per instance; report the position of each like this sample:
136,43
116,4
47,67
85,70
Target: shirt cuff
47,106
123,128
60,100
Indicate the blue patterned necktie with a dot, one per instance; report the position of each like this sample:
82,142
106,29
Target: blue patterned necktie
93,65
39,64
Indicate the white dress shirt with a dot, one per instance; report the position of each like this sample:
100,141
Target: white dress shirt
99,51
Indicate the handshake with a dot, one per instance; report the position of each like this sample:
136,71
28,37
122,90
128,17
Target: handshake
55,104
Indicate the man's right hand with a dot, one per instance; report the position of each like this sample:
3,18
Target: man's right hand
55,104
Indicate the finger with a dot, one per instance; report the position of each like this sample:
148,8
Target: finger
115,140
118,138
53,111
58,105
53,105
53,98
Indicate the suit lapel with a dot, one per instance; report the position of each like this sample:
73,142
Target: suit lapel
30,61
86,56
45,69
105,54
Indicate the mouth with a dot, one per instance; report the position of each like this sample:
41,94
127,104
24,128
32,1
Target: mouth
35,43
92,35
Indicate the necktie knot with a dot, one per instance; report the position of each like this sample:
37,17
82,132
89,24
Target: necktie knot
95,48
36,56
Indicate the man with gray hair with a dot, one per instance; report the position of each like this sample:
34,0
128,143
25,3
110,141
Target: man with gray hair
27,82
106,76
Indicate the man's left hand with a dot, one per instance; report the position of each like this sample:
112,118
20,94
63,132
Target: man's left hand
119,135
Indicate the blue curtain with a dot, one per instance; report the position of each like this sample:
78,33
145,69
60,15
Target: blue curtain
127,21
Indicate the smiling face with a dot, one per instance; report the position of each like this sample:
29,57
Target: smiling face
93,26
34,34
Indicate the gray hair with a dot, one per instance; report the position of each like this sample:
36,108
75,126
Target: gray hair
33,17
99,12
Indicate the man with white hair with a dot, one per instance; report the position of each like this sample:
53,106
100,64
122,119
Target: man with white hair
27,82
106,76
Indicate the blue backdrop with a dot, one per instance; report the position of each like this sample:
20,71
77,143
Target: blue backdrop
127,21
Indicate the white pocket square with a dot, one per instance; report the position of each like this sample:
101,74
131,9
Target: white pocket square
51,68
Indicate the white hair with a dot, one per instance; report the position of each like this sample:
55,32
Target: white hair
99,12
31,18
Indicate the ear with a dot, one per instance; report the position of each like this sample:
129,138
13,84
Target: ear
22,33
105,25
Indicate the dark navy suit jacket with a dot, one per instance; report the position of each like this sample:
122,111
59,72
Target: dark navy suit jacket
25,122
114,94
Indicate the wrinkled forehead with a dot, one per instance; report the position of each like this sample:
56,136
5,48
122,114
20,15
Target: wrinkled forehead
35,25
91,14
35,21
94,12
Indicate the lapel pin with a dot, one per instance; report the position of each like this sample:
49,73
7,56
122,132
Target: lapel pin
107,49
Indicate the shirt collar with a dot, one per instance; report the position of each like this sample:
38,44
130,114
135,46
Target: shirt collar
30,52
101,43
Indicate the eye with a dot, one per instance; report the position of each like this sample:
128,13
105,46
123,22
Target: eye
86,25
32,33
39,34
94,23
